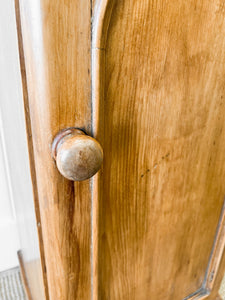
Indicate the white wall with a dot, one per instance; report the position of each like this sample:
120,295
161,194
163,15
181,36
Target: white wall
16,200
9,242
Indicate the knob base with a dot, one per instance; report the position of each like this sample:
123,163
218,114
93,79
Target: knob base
61,135
77,155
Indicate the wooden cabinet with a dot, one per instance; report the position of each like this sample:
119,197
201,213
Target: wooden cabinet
145,79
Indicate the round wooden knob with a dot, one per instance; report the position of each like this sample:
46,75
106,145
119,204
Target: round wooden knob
78,156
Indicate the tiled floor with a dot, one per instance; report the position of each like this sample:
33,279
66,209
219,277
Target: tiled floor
11,285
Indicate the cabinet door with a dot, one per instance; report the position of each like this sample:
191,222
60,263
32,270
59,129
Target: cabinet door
146,79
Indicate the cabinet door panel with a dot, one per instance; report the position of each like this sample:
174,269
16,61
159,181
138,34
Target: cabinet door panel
56,44
161,123
152,93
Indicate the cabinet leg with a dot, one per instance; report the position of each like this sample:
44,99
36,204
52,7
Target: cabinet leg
24,277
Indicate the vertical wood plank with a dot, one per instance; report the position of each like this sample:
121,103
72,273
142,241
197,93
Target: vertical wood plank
163,143
33,271
56,41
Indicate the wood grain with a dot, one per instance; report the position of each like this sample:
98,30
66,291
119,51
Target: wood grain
34,270
218,278
157,108
216,256
56,40
199,295
160,121
209,287
101,18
